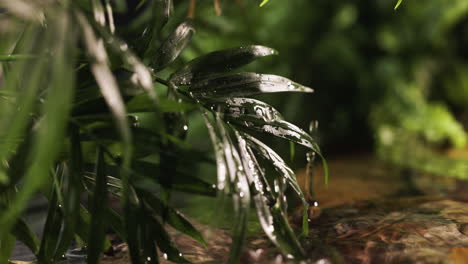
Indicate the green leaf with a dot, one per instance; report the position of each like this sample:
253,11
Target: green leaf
162,10
164,241
255,115
264,2
244,84
71,189
398,4
278,163
98,213
219,62
52,229
174,218
173,45
231,179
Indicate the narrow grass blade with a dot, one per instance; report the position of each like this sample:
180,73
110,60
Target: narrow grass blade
173,218
98,204
273,222
71,189
51,232
244,84
219,62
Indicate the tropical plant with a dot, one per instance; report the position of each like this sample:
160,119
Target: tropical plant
81,113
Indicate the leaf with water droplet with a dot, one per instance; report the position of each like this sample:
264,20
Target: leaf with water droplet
244,84
255,115
273,222
219,62
281,167
231,178
173,45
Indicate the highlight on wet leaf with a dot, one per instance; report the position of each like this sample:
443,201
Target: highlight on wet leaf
101,130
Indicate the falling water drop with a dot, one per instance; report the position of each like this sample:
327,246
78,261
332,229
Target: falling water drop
313,126
165,256
185,127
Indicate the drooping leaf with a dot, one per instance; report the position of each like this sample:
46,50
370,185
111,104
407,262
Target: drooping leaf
272,219
278,163
219,62
231,179
244,84
162,10
52,229
23,233
258,116
173,45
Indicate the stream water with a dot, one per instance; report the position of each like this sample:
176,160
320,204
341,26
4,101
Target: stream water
369,213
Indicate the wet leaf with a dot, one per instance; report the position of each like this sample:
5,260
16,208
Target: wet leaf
244,84
162,10
272,219
51,129
258,116
104,78
7,243
98,213
231,179
219,62
173,45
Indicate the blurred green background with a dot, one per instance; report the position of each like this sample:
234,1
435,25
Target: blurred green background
383,78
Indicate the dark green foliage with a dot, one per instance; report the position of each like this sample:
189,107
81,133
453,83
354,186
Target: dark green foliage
82,114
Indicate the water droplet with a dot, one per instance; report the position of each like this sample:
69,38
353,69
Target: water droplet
165,256
185,127
241,194
213,186
148,259
180,254
313,126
